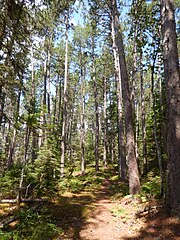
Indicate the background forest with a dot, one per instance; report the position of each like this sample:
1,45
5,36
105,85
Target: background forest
82,89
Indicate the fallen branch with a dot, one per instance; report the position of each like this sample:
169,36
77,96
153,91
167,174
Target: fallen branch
147,210
24,200
14,218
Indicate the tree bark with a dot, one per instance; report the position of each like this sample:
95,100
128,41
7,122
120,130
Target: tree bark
134,183
143,119
64,117
105,121
158,147
82,117
13,142
121,145
172,80
96,150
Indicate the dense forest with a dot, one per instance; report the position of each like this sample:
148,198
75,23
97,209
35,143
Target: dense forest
87,87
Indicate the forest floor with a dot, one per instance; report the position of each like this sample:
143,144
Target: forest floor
103,210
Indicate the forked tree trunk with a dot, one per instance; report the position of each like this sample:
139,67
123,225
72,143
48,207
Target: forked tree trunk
172,79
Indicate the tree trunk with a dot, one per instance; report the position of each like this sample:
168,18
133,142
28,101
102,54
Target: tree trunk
121,146
105,121
158,147
48,85
96,151
82,117
172,79
33,105
64,117
134,183
13,142
26,143
143,119
2,102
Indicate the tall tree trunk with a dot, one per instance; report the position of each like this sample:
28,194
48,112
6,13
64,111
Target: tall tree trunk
64,117
45,91
172,79
157,140
13,142
48,85
134,183
105,121
82,118
135,106
96,151
42,131
55,112
143,118
112,130
121,146
33,105
24,162
2,102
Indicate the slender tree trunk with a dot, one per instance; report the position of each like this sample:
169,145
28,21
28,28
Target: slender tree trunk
172,79
26,143
55,112
13,142
111,129
41,130
158,147
45,90
59,111
105,121
135,105
96,151
33,105
82,118
143,120
121,146
48,85
64,118
2,102
134,183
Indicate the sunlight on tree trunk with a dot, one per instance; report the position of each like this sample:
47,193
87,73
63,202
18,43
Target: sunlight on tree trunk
172,79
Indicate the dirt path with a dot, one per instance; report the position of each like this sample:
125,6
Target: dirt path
108,219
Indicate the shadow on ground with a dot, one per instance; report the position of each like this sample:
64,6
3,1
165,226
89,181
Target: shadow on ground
158,226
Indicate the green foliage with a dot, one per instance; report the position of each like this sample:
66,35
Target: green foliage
73,184
32,226
46,170
9,182
151,186
118,211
